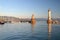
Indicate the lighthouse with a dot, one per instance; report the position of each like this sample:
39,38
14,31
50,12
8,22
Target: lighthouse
32,17
33,21
49,16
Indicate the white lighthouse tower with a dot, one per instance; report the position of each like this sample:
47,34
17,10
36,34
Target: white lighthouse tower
49,16
33,17
33,21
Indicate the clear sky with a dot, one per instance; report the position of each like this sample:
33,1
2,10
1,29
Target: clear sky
26,8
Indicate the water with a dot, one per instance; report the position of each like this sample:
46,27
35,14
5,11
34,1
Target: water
26,31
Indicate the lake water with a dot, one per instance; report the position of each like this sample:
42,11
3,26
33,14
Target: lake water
26,31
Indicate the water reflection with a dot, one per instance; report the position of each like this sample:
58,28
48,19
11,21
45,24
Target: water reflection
1,26
49,31
33,25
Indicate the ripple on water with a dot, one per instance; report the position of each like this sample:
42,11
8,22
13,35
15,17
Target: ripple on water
25,37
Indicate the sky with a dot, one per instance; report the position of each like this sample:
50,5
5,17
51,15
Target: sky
25,8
